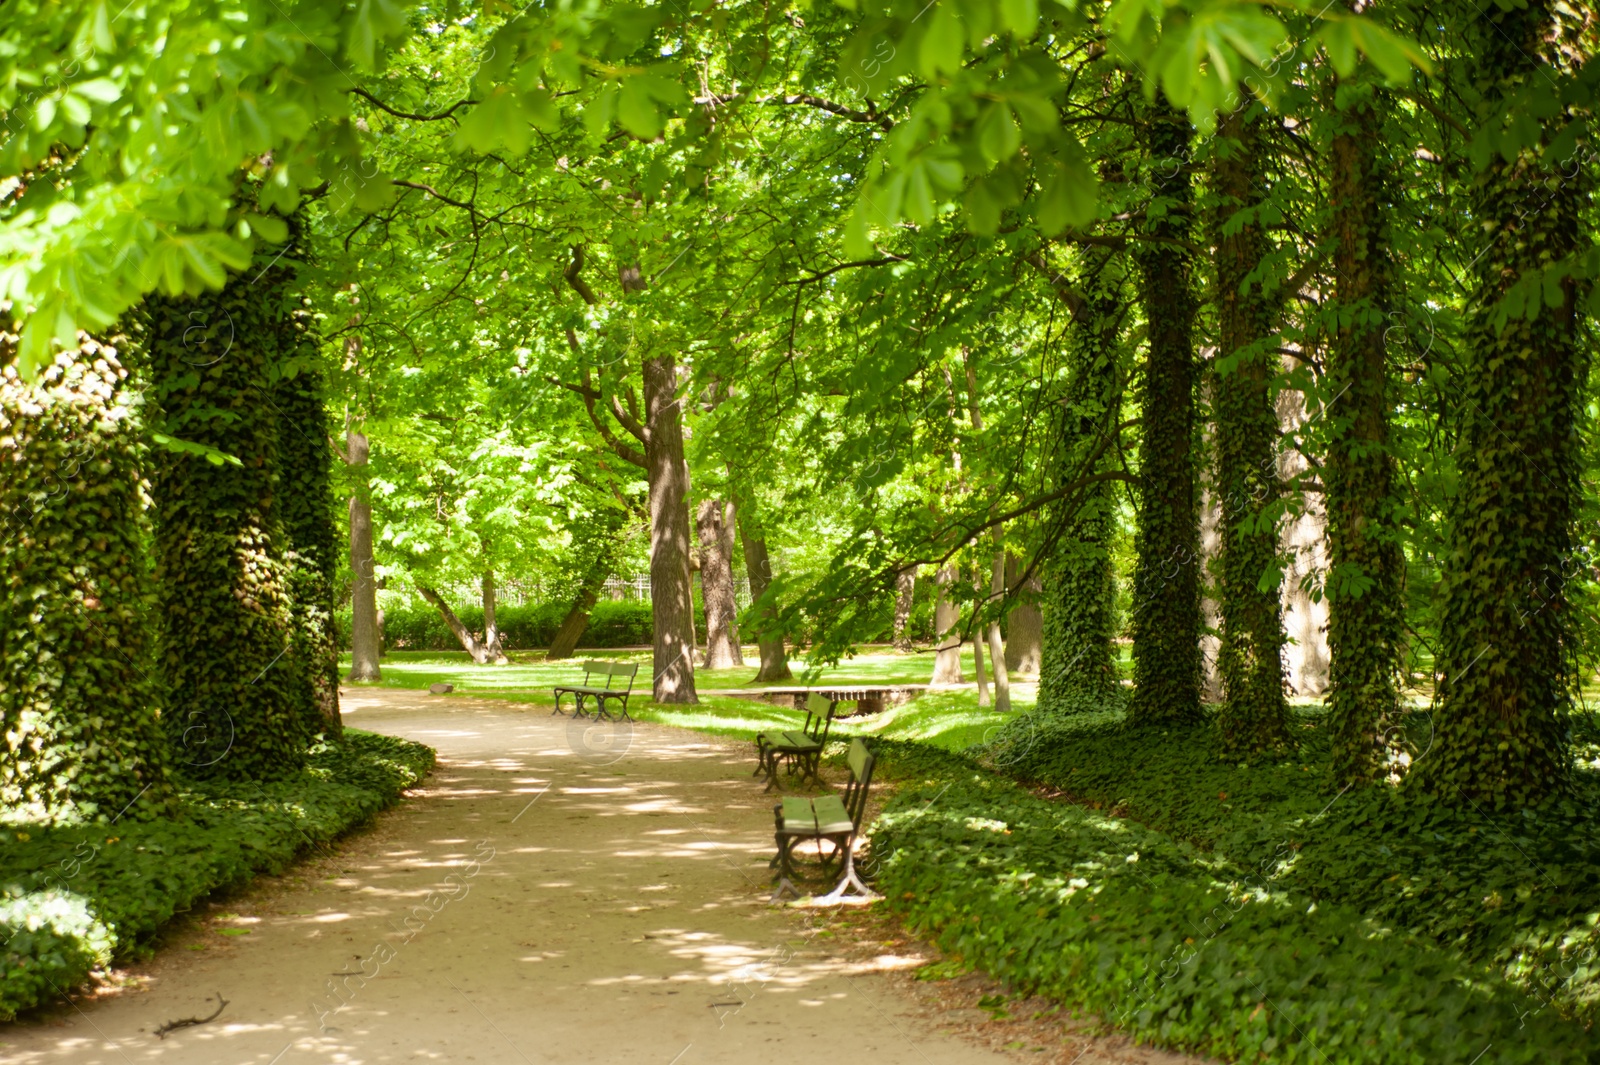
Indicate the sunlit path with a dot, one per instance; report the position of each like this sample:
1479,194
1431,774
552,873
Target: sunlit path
531,904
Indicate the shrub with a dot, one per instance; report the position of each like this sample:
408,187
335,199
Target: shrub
1180,946
418,627
73,898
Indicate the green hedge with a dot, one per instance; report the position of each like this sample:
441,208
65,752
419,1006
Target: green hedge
71,899
624,623
1179,945
613,623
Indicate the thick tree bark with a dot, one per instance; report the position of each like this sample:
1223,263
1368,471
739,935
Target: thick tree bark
1024,625
1255,714
946,615
1166,583
671,593
364,628
905,587
79,736
1366,621
469,642
1505,681
714,528
492,651
757,564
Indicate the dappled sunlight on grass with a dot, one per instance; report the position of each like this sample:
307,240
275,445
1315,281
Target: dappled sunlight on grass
947,718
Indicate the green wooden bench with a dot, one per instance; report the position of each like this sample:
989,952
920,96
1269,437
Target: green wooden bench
830,818
802,749
612,671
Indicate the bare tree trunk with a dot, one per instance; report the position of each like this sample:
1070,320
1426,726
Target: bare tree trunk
491,633
774,661
977,649
572,627
597,568
1024,626
364,647
977,666
997,654
468,641
947,662
671,594
905,583
714,521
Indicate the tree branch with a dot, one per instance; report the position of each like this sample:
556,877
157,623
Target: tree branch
380,105
621,449
572,274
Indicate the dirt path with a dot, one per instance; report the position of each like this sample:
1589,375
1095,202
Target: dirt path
549,897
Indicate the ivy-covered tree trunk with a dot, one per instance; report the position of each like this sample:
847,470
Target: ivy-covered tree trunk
714,529
1501,735
305,473
671,590
1255,714
1078,672
229,706
757,564
366,621
79,736
1366,618
1165,615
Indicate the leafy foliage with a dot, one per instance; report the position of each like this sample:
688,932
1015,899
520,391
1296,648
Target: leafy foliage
77,716
230,704
73,898
1182,947
1513,893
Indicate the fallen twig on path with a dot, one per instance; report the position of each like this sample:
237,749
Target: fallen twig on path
190,1022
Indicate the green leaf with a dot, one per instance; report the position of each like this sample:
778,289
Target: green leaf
1068,196
998,135
941,48
636,111
1390,53
1021,17
100,90
189,447
1340,44
857,233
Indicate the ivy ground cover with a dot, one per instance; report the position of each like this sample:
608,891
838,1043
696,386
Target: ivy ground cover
1233,910
72,898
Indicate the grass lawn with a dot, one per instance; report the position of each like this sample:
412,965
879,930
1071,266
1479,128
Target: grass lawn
950,719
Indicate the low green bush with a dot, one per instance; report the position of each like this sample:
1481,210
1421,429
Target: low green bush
73,898
1519,892
1178,945
419,627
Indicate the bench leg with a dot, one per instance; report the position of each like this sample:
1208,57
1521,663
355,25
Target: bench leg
785,872
849,879
557,710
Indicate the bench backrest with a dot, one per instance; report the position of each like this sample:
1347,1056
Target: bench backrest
609,670
860,760
819,717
